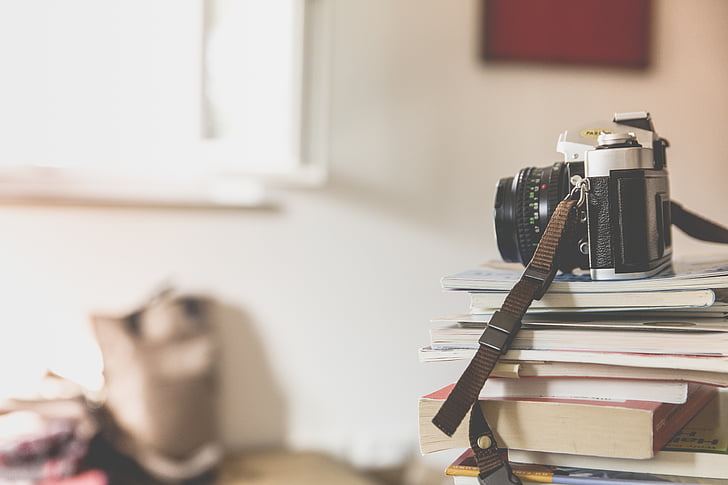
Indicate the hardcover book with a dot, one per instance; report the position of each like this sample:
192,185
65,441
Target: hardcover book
700,449
627,429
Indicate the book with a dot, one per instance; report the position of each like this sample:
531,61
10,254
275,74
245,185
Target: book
675,392
464,471
674,320
704,363
684,276
707,336
486,301
627,429
515,369
700,449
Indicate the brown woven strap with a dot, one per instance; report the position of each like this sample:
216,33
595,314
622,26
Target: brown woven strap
466,391
484,446
495,340
515,305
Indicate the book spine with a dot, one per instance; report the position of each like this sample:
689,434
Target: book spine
670,418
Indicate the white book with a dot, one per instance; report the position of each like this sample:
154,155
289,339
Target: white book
483,301
586,388
718,364
514,369
698,337
659,321
686,275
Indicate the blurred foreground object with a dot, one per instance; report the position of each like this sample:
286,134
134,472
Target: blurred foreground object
161,393
44,440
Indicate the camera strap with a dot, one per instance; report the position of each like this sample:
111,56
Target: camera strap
697,226
494,341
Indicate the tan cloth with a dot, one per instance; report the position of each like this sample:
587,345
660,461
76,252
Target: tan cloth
159,366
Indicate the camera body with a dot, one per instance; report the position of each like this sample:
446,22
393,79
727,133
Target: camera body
623,229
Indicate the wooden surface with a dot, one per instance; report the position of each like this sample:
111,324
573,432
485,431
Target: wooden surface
279,467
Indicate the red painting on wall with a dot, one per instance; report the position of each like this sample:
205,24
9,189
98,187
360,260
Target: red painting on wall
593,32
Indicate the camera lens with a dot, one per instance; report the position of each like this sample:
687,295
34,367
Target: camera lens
523,206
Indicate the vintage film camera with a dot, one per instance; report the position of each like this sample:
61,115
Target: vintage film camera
623,230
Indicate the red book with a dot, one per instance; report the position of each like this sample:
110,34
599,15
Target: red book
89,477
624,429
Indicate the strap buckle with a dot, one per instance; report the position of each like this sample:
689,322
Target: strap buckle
500,331
543,278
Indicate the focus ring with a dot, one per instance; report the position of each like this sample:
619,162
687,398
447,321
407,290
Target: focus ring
527,238
554,195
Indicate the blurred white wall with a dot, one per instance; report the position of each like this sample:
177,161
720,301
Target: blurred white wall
330,296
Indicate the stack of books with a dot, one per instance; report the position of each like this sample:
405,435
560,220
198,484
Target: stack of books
607,380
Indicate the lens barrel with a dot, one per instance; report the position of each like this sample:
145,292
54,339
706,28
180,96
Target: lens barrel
522,208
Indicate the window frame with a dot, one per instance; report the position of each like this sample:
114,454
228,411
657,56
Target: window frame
234,186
